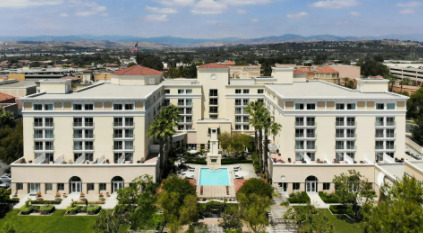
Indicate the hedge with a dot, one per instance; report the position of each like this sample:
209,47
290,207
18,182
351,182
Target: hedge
26,209
233,161
55,202
47,209
93,209
197,161
90,202
328,198
299,197
73,209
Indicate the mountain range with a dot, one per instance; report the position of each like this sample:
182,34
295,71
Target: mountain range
190,42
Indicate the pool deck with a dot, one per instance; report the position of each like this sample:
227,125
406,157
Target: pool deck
221,192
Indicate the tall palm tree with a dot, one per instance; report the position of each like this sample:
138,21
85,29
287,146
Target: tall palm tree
270,127
162,129
256,111
171,113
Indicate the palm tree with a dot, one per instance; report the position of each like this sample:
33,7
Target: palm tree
162,129
270,127
171,113
256,110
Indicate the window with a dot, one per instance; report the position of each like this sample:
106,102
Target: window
188,91
299,121
77,145
19,186
38,107
48,107
118,145
60,186
102,186
213,109
350,145
188,110
311,106
90,186
326,186
339,145
38,121
49,121
339,121
350,121
379,133
38,134
339,133
213,92
117,107
188,102
390,121
350,133
246,91
49,186
89,157
311,145
213,101
246,127
238,102
260,91
299,133
295,186
181,91
351,106
181,102
299,106
380,106
89,107
390,106
299,145
129,107
77,107
390,133
340,106
245,101
89,121
166,91
237,91
379,145
310,121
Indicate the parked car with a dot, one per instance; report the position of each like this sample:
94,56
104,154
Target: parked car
4,184
5,178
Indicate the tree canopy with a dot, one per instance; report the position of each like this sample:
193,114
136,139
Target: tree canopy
415,111
11,143
235,143
308,219
370,67
150,61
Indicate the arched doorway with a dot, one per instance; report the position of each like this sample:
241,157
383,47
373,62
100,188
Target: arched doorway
75,184
117,183
311,184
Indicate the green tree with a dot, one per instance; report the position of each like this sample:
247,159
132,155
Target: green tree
132,64
371,67
140,201
231,219
162,129
354,192
415,111
150,61
178,200
399,210
235,143
270,128
11,143
266,67
255,198
308,219
110,221
256,110
6,118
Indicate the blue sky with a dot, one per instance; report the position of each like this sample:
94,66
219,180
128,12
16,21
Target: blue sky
210,18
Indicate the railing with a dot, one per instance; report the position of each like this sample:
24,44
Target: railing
40,159
118,136
77,124
77,136
117,123
49,124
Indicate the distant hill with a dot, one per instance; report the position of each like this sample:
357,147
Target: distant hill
169,41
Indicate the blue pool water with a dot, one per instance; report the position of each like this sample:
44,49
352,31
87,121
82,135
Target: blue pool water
214,177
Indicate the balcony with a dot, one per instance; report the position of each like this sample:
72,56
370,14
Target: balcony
83,125
46,125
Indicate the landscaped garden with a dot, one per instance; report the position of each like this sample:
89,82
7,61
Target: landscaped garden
299,197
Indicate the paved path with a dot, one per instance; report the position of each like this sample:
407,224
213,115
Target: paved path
68,201
111,202
317,201
277,223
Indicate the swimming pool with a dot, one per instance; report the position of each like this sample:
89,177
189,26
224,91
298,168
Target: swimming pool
214,177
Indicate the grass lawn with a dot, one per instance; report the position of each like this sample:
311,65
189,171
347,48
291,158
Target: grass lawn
55,223
342,226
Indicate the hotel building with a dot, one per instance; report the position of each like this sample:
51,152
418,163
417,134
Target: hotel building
94,139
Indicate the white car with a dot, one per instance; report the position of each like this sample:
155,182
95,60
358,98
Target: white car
4,185
5,178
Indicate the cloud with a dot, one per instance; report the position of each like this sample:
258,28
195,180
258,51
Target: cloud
64,15
90,8
156,18
245,2
28,3
409,4
335,4
161,10
255,20
407,11
208,7
176,2
298,15
354,13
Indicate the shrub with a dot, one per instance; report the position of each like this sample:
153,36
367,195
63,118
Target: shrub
93,209
47,209
234,161
299,197
328,197
55,202
285,203
72,209
197,161
90,202
27,208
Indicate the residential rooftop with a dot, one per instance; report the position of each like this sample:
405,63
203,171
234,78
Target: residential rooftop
16,84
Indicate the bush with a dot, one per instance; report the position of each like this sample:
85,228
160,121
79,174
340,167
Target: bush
47,209
55,202
328,197
90,202
285,203
197,161
73,208
234,161
26,209
299,197
93,209
212,208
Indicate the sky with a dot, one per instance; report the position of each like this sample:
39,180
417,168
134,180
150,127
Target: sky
210,18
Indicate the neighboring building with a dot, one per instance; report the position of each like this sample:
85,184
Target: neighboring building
347,71
412,71
7,102
34,74
244,72
327,74
18,89
94,139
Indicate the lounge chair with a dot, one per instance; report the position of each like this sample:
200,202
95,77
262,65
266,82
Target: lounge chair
237,168
238,177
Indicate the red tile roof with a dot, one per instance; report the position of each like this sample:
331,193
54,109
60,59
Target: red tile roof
4,96
213,66
3,77
230,63
137,70
326,70
239,183
301,71
71,78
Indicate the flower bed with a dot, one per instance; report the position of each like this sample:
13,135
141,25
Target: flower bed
74,209
90,202
299,197
42,210
48,202
328,197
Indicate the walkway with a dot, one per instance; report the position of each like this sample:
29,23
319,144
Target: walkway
277,223
317,201
111,202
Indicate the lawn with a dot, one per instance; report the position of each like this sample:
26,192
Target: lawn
55,223
342,226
